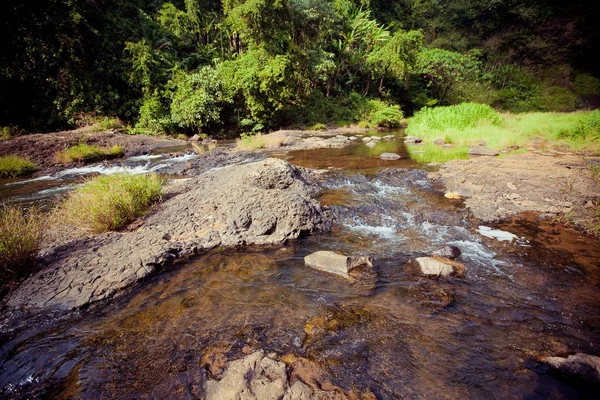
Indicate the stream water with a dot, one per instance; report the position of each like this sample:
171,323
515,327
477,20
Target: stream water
394,333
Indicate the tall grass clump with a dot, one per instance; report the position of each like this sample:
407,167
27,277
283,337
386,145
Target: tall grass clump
260,141
458,117
21,234
13,166
109,202
85,153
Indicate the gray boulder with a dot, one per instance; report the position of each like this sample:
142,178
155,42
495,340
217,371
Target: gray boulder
335,263
265,202
580,366
448,251
482,150
390,156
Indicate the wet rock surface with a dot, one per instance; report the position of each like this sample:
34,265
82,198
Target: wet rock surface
500,188
439,266
448,251
265,202
260,376
390,156
41,147
579,366
337,264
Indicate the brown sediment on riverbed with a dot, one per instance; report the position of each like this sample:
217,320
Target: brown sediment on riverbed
549,184
265,202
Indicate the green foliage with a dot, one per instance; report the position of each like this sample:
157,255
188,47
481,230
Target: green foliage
587,86
85,153
461,116
442,69
557,98
6,132
383,115
13,166
106,124
109,202
317,127
21,234
197,99
154,118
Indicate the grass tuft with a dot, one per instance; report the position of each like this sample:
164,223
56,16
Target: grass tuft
109,202
13,166
21,234
260,141
86,153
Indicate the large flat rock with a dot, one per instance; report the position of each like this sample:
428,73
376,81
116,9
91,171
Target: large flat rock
335,263
265,202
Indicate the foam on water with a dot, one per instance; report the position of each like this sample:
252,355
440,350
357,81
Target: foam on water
147,157
499,235
41,178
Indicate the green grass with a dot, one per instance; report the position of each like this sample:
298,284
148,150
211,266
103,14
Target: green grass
86,153
317,127
431,153
13,166
468,124
107,203
106,124
21,234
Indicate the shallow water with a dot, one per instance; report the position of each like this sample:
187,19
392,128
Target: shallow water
394,332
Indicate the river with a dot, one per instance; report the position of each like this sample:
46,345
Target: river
394,333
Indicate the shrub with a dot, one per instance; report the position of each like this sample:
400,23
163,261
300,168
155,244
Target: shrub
86,153
461,116
154,119
6,132
109,202
13,166
21,234
317,127
388,117
106,124
557,98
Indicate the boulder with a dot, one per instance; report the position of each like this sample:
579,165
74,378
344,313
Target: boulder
482,150
579,366
412,140
335,263
353,138
376,137
439,266
390,156
447,251
371,144
366,139
259,203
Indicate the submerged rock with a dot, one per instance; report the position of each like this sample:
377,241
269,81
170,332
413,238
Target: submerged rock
265,202
367,139
338,264
448,251
580,366
482,150
439,266
371,144
412,140
390,156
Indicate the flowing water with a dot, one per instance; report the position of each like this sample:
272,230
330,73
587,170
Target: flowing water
393,332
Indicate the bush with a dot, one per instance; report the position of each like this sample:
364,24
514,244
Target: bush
557,98
461,116
86,153
13,166
154,119
107,203
388,117
21,234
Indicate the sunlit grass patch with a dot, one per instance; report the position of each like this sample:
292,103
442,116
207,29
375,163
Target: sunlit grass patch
109,202
86,153
260,141
468,124
13,166
431,153
21,233
106,124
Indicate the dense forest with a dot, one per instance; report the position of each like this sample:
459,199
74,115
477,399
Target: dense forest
212,66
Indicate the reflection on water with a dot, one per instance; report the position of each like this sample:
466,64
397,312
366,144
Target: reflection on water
399,335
